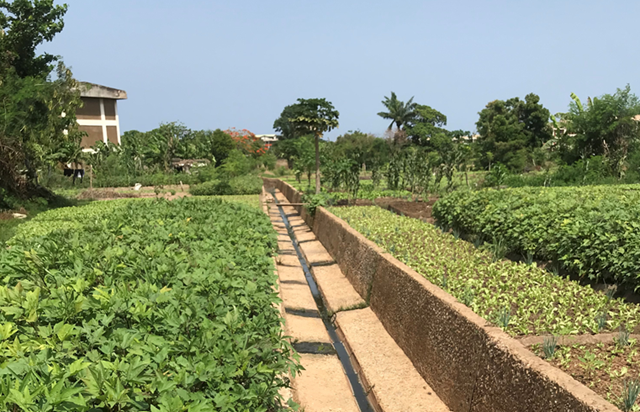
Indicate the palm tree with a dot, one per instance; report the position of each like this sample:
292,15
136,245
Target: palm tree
399,112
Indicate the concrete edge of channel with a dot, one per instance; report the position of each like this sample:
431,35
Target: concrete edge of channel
462,354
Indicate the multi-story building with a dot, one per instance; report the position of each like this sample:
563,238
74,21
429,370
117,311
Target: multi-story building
98,117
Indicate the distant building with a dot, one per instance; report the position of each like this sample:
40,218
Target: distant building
268,139
98,117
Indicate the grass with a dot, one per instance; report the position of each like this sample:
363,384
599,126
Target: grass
523,299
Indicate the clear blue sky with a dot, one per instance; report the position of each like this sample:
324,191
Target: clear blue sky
219,64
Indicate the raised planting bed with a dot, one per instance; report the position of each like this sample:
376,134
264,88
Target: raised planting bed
143,305
591,232
610,369
471,364
522,299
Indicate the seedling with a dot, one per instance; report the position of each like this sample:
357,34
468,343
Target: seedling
630,394
468,296
601,320
504,316
549,346
528,258
498,249
622,340
445,281
611,290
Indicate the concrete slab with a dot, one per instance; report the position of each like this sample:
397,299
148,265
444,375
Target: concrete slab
336,289
315,253
323,386
395,384
305,329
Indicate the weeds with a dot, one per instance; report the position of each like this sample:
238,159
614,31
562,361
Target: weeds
504,316
468,296
601,321
622,340
549,346
630,394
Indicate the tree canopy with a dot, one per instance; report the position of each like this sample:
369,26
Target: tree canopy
38,127
607,127
400,113
510,129
426,123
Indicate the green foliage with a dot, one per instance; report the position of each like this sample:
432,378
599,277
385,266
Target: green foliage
314,201
549,346
593,232
539,302
314,117
143,305
622,340
510,129
630,394
426,124
398,112
605,127
497,175
241,185
25,25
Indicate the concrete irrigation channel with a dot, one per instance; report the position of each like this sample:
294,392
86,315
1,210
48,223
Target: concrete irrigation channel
414,346
351,363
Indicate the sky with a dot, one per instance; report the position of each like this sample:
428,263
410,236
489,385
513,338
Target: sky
238,63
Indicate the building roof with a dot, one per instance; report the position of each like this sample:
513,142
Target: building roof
95,90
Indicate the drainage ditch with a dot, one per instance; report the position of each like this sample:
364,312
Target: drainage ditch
358,390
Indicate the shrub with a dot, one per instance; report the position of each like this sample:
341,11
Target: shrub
241,185
593,232
281,171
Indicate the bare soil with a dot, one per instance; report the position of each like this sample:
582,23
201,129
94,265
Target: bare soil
603,367
144,192
418,210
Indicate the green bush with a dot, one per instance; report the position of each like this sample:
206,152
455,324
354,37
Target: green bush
143,305
241,185
593,232
281,171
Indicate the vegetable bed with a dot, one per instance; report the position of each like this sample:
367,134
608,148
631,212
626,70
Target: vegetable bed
589,232
522,299
142,305
610,369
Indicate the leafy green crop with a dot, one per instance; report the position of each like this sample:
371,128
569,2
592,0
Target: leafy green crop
525,299
593,232
142,305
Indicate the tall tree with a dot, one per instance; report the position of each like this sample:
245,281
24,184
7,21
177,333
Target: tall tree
398,112
607,126
25,25
426,123
316,117
283,124
38,122
510,129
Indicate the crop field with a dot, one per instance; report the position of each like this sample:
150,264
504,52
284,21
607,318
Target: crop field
604,367
522,299
143,305
588,232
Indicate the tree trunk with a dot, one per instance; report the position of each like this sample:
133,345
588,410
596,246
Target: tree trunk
317,164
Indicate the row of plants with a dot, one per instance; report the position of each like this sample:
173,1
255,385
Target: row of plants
589,232
143,305
521,298
241,185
